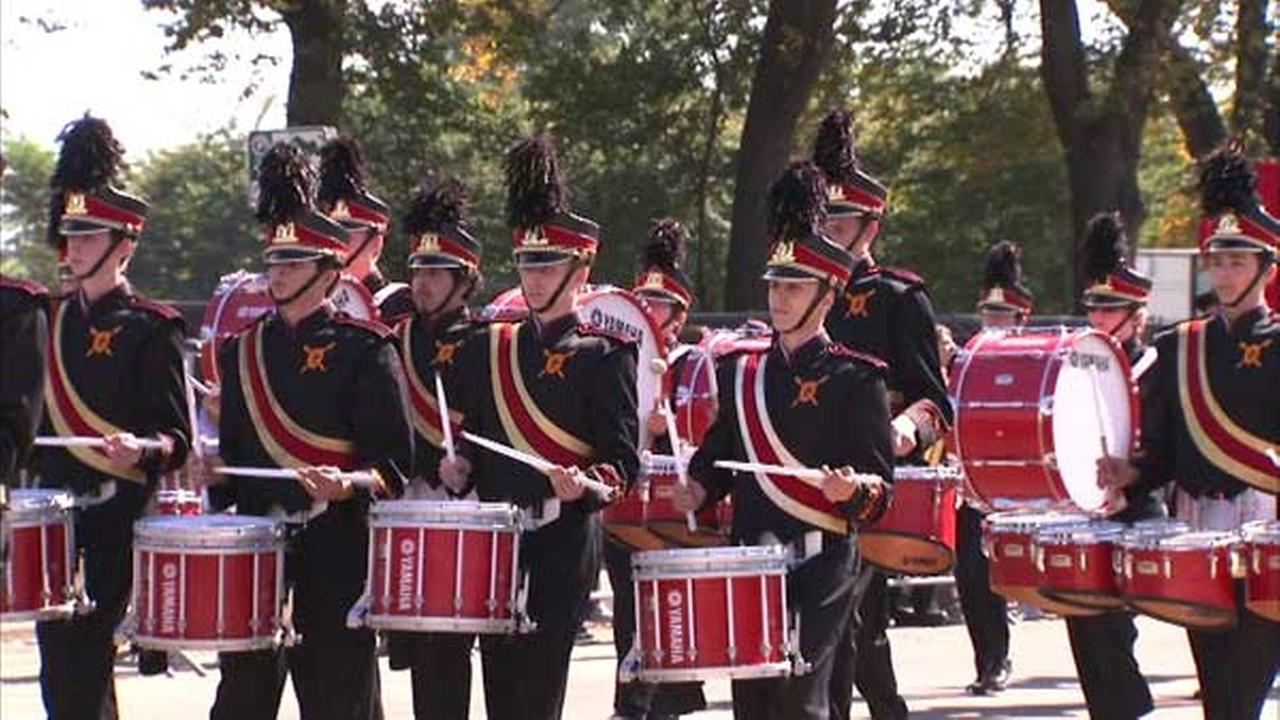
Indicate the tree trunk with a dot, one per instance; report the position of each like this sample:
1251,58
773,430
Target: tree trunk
797,40
711,139
316,84
1101,136
1271,111
1203,128
1251,67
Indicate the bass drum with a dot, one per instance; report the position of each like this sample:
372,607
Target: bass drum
696,393
350,296
239,300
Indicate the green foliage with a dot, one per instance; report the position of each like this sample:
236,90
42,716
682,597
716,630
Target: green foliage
24,211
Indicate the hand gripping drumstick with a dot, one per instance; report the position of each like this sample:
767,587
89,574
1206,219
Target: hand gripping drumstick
750,467
447,427
682,472
536,463
69,441
359,479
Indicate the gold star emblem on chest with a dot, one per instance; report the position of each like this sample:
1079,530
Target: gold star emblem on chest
314,357
100,341
807,391
858,303
553,362
1251,353
446,352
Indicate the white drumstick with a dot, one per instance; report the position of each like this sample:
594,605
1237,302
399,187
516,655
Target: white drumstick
199,385
682,473
447,427
359,479
532,461
1097,409
69,441
750,467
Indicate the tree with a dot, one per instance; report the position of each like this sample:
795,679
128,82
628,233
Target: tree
24,211
798,35
317,30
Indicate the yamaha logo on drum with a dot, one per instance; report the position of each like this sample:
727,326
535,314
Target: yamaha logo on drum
615,324
1084,360
407,576
675,626
168,598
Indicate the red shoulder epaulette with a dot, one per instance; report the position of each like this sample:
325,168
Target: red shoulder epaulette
903,275
164,310
34,289
845,351
587,330
373,326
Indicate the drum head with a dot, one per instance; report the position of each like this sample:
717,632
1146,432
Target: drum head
350,296
1087,533
710,561
239,300
620,312
1262,532
1028,522
460,513
206,530
36,503
1093,399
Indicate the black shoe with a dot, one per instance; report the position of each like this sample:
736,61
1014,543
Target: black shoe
993,682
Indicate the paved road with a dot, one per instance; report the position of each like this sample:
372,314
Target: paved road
933,666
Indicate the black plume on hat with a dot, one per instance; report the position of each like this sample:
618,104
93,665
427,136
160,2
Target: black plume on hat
664,246
437,206
797,201
535,190
1004,266
90,159
834,150
1106,246
341,171
1227,181
285,181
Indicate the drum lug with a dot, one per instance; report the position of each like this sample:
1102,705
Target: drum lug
1051,462
1046,406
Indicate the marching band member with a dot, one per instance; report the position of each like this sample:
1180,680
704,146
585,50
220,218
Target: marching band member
1005,303
444,272
1210,423
342,196
668,295
821,405
1102,645
319,392
884,312
556,389
115,372
24,336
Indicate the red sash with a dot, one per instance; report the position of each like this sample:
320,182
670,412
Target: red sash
799,498
424,411
526,426
70,415
1227,446
289,444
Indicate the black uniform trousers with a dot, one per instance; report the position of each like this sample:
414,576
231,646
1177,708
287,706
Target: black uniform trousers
525,675
77,654
986,613
1236,667
333,668
865,659
1102,646
637,699
823,590
439,670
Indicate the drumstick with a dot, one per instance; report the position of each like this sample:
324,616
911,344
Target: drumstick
1097,409
199,385
796,472
359,479
532,461
447,426
69,441
682,473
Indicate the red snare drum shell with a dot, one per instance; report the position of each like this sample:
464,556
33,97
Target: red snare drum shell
39,575
1184,579
917,535
1262,569
1079,564
1015,573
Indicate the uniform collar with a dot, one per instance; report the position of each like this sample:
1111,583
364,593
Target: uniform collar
1244,324
864,266
115,297
442,322
309,324
550,333
806,353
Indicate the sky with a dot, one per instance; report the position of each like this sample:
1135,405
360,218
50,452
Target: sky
96,64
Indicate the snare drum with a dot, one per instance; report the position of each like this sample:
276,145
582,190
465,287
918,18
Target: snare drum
449,566
1032,409
711,613
1262,568
39,577
178,501
1079,563
1015,574
1181,577
210,582
646,519
917,535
